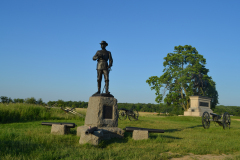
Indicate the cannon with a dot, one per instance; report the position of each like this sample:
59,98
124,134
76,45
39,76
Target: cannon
225,122
131,129
68,125
91,130
132,114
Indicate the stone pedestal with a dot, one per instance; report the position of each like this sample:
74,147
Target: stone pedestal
102,112
198,105
93,139
103,133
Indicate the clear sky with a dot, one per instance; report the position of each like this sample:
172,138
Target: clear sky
46,46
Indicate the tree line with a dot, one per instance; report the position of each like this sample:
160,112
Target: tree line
141,107
31,100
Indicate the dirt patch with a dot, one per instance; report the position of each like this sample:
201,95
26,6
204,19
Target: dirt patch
81,109
203,157
147,113
236,119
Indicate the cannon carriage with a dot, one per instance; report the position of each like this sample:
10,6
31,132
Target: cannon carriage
224,121
132,114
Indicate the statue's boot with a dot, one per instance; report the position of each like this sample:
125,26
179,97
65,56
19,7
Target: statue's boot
99,87
107,85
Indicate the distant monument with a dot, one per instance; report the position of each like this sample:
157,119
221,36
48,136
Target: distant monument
102,111
199,103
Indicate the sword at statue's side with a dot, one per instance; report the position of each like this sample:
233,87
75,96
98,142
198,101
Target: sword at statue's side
109,69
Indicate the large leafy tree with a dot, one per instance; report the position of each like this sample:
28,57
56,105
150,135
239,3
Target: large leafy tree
176,84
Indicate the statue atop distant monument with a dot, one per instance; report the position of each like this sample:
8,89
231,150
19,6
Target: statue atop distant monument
103,68
200,84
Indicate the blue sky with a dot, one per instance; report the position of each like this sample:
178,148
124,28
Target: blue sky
46,46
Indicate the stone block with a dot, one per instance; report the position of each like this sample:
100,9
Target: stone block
103,133
102,112
140,134
59,129
81,129
93,139
112,132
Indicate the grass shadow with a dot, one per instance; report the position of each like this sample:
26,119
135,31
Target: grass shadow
195,126
180,129
171,130
73,132
104,143
163,136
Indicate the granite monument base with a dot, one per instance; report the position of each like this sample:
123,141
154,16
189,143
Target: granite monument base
102,112
198,105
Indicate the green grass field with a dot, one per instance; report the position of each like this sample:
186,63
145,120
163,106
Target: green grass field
28,139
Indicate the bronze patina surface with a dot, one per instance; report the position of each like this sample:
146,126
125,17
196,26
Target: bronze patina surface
103,68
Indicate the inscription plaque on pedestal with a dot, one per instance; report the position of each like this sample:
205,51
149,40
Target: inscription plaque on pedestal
204,104
107,112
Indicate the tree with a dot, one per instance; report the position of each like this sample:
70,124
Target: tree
18,100
61,103
4,99
39,101
10,100
51,103
31,100
176,84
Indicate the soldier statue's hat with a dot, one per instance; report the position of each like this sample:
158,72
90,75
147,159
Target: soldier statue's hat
104,42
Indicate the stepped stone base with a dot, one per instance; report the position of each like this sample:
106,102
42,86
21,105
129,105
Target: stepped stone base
93,139
103,133
112,132
198,112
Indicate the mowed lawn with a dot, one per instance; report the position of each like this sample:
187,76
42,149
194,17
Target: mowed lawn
183,136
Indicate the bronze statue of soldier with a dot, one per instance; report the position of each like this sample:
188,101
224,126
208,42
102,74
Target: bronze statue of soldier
103,68
199,83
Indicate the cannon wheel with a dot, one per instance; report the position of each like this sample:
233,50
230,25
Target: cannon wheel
226,121
122,115
206,120
133,115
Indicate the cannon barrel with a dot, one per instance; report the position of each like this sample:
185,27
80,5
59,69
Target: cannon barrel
216,115
91,130
131,129
69,125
